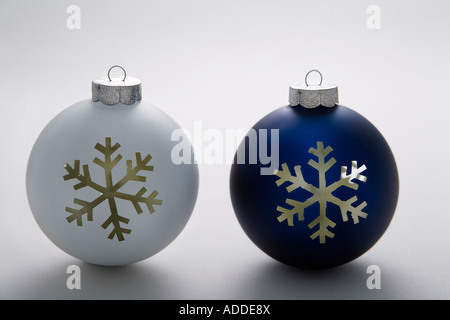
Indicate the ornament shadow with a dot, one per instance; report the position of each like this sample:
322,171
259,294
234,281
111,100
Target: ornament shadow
277,281
136,281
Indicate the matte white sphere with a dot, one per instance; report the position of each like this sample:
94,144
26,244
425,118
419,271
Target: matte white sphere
83,173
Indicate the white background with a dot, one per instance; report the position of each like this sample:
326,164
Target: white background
227,64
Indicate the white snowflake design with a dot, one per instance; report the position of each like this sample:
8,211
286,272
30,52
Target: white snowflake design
321,194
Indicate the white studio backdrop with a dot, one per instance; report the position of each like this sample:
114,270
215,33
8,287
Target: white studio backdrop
224,65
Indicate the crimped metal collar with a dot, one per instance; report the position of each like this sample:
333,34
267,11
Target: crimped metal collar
312,96
110,91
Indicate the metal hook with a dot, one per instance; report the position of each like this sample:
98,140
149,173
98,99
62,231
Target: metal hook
306,77
117,66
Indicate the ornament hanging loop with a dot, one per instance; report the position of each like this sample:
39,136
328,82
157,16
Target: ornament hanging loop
314,70
117,66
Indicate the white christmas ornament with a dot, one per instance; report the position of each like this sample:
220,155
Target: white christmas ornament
101,183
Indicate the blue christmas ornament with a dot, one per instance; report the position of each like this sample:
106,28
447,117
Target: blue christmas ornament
334,189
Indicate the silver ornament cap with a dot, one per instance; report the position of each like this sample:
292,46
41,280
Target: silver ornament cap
313,95
110,91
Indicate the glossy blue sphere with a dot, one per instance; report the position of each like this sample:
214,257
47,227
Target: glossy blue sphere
334,193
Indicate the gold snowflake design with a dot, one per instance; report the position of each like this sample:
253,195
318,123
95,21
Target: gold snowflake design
322,194
111,191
